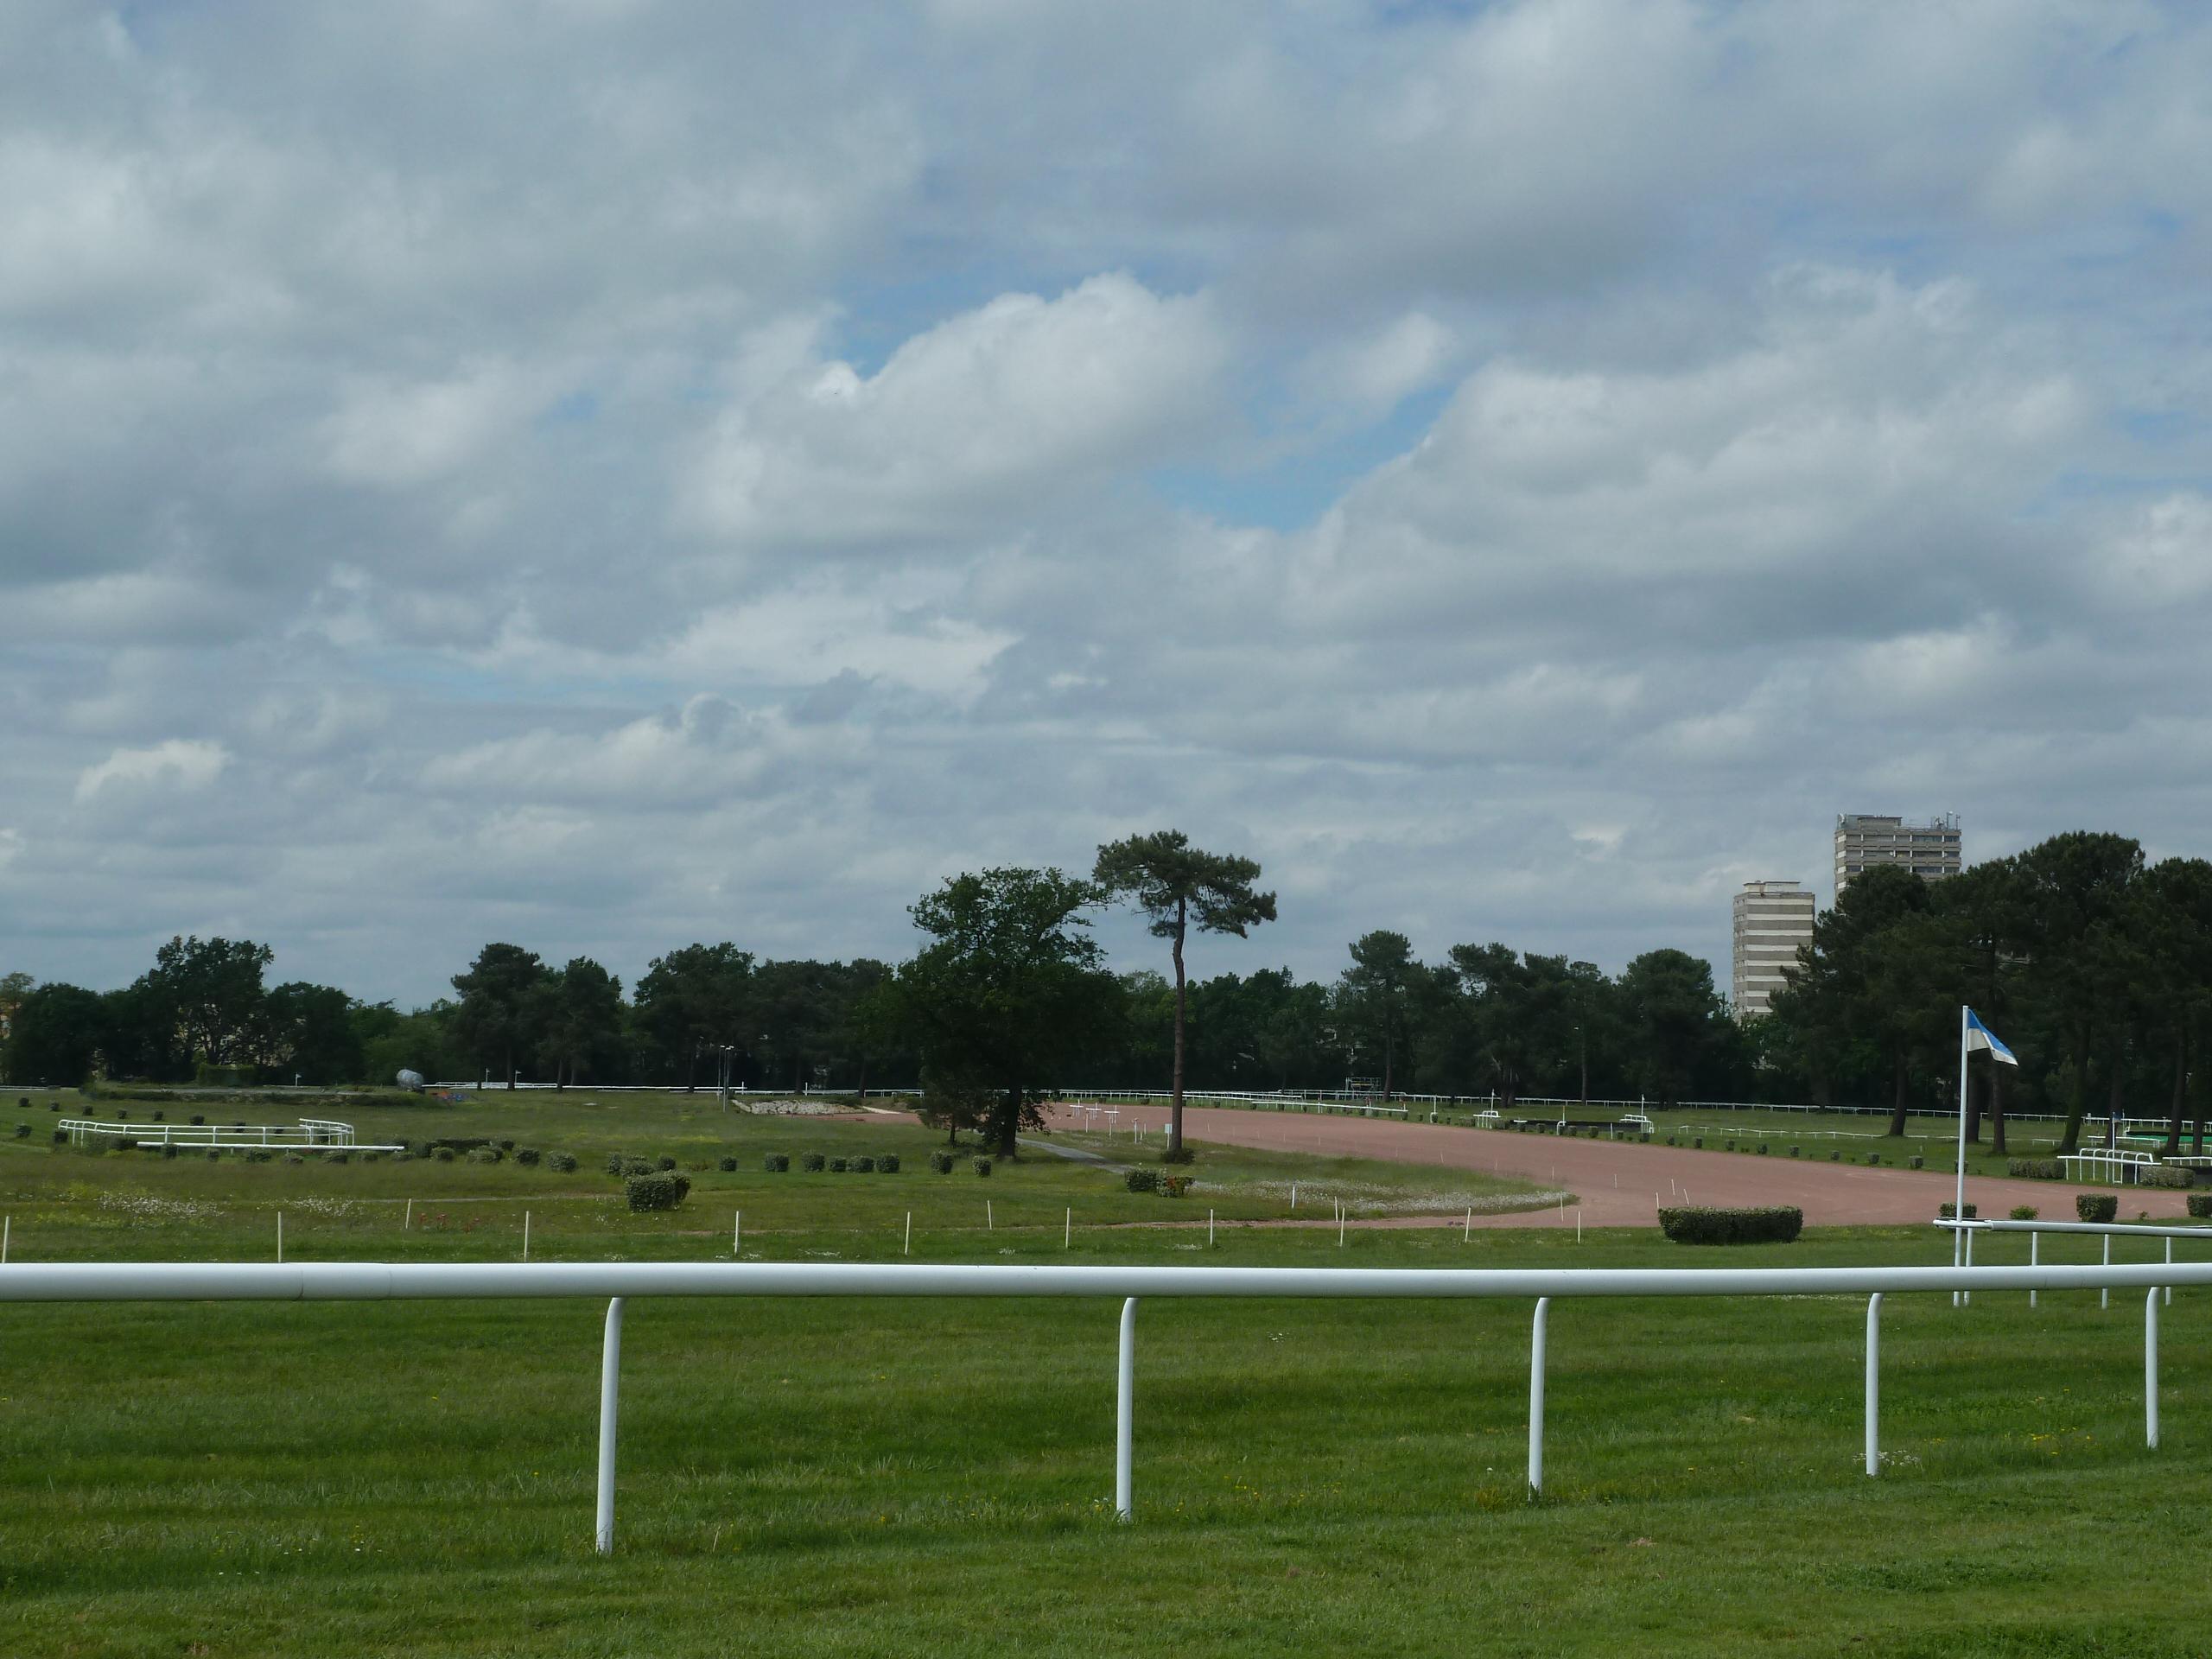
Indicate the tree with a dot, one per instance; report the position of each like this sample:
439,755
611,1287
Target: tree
2074,888
210,991
1010,988
1175,884
307,1031
582,1018
501,1004
1381,995
1677,1017
56,1035
694,999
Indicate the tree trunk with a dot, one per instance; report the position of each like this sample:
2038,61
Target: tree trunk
1009,1122
511,1068
1974,1109
2112,1108
2077,1104
2181,1096
1389,1057
1898,1100
1175,1105
560,1081
691,1070
1996,1111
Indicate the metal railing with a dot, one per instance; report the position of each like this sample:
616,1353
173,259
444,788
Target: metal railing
2121,1167
390,1282
311,1135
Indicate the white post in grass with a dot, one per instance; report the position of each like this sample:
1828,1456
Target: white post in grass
1209,1230
1294,1195
525,1235
1340,1224
7,1226
2150,1371
1467,1232
2104,1296
1536,1399
1125,1394
280,1235
2170,1261
610,1387
990,1225
1067,1228
736,1233
907,1247
2035,1258
1967,1295
1578,1226
1959,1244
1874,1383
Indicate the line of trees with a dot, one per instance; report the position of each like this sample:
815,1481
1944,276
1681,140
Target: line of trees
2094,966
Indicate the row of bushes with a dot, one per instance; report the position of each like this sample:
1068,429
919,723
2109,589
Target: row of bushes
1143,1179
1779,1224
664,1189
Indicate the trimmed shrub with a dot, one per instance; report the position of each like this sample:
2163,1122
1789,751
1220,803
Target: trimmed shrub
168,1150
1778,1225
1699,1144
777,1163
196,1118
2024,1212
56,1106
1762,1148
484,1155
22,1131
1795,1151
1143,1180
941,1162
527,1156
506,1145
662,1190
1731,1147
561,1163
726,1165
444,1155
837,1165
2036,1169
1872,1158
982,1166
812,1162
1175,1186
863,1166
1916,1160
215,1157
2096,1206
1671,1141
259,1155
1177,1155
122,1117
665,1163
1946,1212
403,1156
333,1157
2200,1206
1834,1154
888,1163
60,1137
2164,1176
160,1117
373,1157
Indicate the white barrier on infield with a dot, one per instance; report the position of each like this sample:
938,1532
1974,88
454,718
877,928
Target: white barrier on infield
391,1282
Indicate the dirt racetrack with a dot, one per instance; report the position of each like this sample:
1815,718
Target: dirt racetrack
1621,1184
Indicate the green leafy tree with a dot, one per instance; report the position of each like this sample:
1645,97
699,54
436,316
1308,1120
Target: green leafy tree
307,1033
1009,990
502,1004
56,1035
1677,1018
1175,884
210,992
2075,890
1383,996
582,1019
694,1001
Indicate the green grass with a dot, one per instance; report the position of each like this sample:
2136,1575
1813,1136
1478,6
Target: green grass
873,1476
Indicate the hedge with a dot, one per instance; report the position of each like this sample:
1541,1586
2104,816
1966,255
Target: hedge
1946,1212
2096,1206
2163,1175
2200,1206
2036,1169
1141,1179
779,1162
941,1162
662,1190
1779,1224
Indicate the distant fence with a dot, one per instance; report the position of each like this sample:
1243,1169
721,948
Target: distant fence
309,1135
385,1282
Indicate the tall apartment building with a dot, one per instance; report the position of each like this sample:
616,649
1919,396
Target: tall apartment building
1930,850
1772,919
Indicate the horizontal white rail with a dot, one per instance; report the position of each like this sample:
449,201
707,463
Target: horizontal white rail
312,1135
2148,1229
179,1282
618,1280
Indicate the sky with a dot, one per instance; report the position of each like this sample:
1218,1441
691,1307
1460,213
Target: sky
604,475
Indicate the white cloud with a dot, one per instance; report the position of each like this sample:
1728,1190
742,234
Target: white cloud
178,763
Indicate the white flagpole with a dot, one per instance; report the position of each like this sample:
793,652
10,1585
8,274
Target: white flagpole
1959,1203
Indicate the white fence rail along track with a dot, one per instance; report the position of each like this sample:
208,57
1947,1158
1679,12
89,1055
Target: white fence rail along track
309,1135
387,1281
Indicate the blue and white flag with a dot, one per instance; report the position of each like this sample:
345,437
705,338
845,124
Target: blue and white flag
1979,1036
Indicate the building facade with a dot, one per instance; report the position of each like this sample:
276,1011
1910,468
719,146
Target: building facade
1930,850
1772,919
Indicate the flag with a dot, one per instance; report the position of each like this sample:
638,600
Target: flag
1979,1036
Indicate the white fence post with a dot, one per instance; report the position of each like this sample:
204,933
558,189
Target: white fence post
1967,1295
2104,1296
2170,1261
610,1387
1125,1390
2150,1371
1536,1399
1874,1383
2035,1259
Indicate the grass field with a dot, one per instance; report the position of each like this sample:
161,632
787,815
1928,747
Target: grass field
863,1478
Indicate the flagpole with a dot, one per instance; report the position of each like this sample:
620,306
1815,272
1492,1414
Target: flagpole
1959,1203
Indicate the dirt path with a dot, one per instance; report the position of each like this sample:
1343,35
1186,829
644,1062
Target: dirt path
1621,1184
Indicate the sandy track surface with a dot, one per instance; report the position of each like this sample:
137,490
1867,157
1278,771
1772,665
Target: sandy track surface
1621,1184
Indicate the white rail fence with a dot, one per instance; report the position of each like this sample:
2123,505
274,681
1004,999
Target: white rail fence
384,1281
309,1135
2120,1168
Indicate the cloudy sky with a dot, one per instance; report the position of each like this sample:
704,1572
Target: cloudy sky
603,474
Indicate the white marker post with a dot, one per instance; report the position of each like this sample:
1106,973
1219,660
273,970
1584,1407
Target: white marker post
736,1233
1209,1230
1067,1230
907,1248
280,1235
990,1224
408,1225
6,1225
1468,1233
525,1235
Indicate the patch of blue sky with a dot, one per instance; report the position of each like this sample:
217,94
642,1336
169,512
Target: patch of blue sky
1290,493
